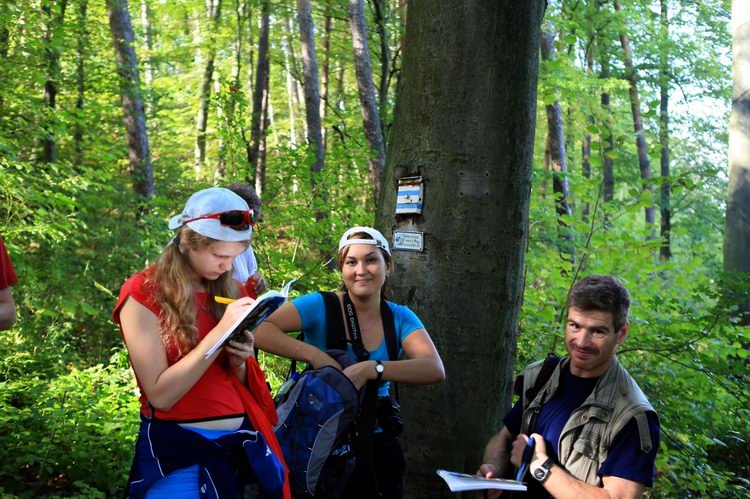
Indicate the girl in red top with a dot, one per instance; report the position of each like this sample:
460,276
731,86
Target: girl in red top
7,279
205,422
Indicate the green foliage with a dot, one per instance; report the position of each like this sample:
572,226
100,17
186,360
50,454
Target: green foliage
75,230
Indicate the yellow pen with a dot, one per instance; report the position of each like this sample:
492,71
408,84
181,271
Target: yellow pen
225,301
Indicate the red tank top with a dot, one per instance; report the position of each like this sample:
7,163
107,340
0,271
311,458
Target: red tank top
214,394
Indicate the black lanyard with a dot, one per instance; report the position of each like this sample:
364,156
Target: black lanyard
352,324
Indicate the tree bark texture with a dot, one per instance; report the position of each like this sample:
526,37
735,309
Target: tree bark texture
55,12
367,94
312,92
464,122
132,100
213,9
737,234
640,133
557,151
665,250
260,92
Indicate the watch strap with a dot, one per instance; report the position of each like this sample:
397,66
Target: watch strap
541,472
379,369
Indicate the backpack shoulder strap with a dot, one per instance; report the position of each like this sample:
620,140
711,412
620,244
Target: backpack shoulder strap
544,374
335,334
389,330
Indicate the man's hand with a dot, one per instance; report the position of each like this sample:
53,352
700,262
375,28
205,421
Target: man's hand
519,445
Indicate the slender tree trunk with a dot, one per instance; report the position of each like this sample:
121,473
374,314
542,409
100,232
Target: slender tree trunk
464,122
640,133
608,143
4,44
290,90
132,100
260,93
213,8
325,77
312,93
737,234
665,251
234,87
148,66
54,10
81,44
380,8
367,95
557,152
586,145
260,169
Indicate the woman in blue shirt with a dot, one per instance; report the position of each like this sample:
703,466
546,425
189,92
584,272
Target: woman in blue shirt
364,259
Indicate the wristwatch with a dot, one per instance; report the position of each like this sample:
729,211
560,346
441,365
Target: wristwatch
379,368
541,472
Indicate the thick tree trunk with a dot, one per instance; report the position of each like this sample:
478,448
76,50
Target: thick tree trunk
665,250
737,234
260,93
132,100
464,122
55,13
557,152
213,9
367,96
81,44
640,133
312,92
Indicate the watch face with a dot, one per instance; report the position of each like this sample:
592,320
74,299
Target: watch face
540,473
379,368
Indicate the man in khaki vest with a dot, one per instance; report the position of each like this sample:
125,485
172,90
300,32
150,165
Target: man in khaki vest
595,432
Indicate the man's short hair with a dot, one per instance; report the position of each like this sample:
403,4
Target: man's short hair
603,293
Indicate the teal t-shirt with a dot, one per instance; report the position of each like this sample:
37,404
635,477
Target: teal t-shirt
312,311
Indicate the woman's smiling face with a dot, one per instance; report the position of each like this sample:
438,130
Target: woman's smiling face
364,270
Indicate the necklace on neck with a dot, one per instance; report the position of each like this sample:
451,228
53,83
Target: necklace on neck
204,303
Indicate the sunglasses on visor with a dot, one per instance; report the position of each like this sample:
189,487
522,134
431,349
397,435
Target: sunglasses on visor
236,219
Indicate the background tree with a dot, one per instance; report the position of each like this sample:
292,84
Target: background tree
737,237
64,376
54,10
482,75
367,96
132,100
312,91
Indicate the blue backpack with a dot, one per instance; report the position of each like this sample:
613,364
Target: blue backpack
315,430
320,412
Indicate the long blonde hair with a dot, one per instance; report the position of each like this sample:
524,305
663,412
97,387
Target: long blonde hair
175,292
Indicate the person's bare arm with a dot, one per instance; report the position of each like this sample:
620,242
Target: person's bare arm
422,366
7,309
496,460
270,336
163,384
562,485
